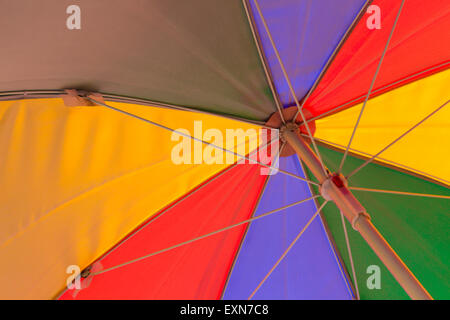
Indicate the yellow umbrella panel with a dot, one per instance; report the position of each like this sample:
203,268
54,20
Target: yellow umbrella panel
76,180
424,150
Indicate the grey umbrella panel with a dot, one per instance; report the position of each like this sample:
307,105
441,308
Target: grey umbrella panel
164,51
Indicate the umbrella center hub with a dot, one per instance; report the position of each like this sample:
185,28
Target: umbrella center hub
291,127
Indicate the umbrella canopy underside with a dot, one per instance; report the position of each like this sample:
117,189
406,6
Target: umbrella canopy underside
92,187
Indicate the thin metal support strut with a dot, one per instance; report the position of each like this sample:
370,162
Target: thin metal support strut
334,187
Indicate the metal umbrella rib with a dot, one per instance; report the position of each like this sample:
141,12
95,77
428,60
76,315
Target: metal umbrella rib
287,250
203,236
371,85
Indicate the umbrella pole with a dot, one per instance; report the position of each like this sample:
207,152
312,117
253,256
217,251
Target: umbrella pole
334,187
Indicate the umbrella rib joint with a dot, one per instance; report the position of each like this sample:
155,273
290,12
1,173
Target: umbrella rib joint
334,187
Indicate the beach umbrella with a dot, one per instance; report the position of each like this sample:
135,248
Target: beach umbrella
254,149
